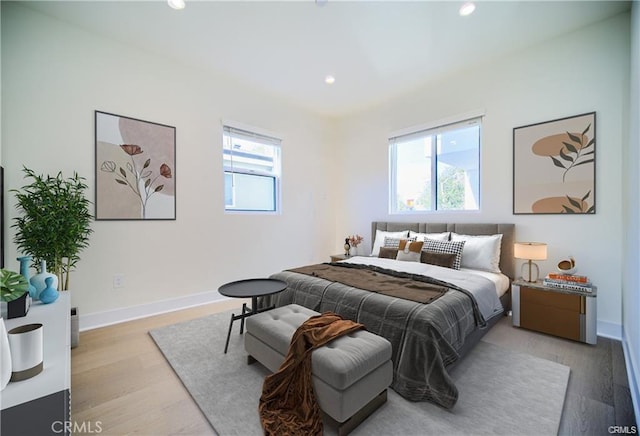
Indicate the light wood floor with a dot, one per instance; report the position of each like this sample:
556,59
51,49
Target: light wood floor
121,383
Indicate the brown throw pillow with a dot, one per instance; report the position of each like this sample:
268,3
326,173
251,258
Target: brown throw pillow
388,252
446,260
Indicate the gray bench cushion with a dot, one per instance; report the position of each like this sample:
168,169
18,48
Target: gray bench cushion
340,363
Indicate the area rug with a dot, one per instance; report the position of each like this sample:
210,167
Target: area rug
501,392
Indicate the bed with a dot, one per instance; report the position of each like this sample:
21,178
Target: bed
427,339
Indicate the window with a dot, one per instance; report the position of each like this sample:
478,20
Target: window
251,171
436,169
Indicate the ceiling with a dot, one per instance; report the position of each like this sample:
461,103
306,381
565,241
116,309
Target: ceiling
376,50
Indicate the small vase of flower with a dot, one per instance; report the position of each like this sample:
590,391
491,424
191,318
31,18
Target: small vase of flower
354,241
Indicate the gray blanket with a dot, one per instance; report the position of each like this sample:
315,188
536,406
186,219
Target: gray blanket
425,338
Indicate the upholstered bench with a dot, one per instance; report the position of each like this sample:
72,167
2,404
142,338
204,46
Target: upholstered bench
350,374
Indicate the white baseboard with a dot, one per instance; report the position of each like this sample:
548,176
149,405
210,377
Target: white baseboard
610,330
115,316
631,376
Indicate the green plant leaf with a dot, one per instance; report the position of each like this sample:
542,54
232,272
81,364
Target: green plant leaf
586,195
570,147
12,285
574,203
574,138
565,157
146,164
123,172
586,130
567,209
557,163
158,188
585,162
122,182
147,183
589,152
592,209
590,143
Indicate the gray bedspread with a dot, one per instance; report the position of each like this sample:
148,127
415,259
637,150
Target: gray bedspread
425,337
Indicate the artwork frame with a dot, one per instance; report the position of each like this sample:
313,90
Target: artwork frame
554,166
134,169
1,217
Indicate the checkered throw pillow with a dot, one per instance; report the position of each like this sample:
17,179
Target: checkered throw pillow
449,247
395,242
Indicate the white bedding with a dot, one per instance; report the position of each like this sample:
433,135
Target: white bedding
485,286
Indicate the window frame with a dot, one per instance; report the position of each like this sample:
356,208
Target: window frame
432,129
235,130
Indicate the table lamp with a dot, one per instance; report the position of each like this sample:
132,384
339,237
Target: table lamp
530,251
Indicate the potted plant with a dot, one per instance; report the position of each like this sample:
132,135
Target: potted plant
14,292
54,222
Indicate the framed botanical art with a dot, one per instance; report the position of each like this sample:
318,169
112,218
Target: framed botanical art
554,166
135,169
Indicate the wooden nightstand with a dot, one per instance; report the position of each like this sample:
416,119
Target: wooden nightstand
558,312
339,257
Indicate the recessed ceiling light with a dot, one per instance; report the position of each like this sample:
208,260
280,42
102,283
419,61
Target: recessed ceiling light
329,80
467,9
176,4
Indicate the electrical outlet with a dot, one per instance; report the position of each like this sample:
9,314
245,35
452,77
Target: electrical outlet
118,281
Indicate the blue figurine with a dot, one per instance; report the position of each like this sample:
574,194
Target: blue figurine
49,294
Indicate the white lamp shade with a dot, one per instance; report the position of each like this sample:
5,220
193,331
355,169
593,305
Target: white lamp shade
530,250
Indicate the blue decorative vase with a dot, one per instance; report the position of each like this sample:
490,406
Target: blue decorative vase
38,280
24,270
49,294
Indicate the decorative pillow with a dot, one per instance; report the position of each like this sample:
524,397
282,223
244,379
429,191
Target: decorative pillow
388,252
480,252
395,242
452,247
379,240
440,259
409,250
444,236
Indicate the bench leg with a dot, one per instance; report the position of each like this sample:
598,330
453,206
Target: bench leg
344,428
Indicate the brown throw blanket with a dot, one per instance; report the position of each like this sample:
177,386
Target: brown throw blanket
288,404
393,283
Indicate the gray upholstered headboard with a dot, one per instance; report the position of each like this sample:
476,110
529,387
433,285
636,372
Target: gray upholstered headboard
507,261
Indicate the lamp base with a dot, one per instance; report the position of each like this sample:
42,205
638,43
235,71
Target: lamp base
531,273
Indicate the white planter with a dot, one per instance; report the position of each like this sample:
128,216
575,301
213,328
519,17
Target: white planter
5,356
26,346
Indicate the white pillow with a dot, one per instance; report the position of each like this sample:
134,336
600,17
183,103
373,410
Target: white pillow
480,252
379,241
444,236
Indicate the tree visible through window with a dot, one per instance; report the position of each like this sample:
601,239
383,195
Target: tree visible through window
436,169
251,171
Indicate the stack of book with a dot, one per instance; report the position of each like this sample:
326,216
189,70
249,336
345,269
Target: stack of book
572,282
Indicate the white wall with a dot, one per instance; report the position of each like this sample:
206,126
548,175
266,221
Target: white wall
53,78
631,203
581,72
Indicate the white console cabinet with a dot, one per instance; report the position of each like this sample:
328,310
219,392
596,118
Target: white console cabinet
41,405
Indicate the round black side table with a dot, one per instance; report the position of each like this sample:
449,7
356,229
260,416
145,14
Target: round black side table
253,288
